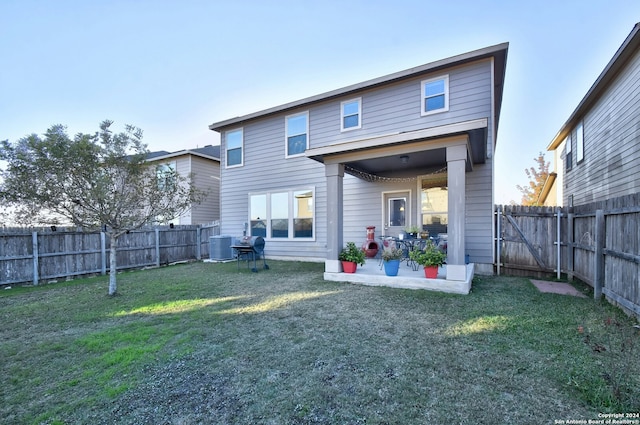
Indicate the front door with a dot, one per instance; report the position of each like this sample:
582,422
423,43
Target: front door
396,212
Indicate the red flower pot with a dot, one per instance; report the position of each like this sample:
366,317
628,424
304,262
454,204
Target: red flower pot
431,272
349,267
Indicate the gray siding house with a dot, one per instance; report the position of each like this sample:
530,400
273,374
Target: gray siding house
203,164
414,148
597,151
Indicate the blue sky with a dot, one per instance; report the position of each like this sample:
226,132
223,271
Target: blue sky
171,68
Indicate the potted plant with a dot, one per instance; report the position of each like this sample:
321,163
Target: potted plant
412,231
430,258
391,257
351,256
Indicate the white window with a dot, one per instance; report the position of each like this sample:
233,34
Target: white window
234,148
569,155
350,114
434,204
297,138
284,214
166,175
435,95
579,143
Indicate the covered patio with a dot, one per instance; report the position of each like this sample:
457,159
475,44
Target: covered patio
454,147
371,274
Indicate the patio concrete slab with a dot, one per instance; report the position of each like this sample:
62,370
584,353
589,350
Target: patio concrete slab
557,288
372,274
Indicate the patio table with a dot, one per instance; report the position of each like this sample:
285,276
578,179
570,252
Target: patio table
407,245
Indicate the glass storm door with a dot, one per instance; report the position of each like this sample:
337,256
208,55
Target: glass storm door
396,213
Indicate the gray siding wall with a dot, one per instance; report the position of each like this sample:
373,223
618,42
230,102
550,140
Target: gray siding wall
611,143
387,109
204,171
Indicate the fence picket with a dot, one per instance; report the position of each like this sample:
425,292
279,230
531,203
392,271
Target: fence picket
70,253
599,244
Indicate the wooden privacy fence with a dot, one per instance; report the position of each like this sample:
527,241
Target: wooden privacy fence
598,243
45,255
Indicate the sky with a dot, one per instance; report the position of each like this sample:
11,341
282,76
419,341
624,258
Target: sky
174,67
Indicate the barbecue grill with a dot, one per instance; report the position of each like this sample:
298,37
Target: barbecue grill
250,248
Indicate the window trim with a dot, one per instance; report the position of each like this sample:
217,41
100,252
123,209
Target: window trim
343,116
434,178
286,133
226,147
579,142
423,97
290,218
161,171
568,154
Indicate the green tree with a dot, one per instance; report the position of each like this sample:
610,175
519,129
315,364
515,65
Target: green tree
95,181
537,177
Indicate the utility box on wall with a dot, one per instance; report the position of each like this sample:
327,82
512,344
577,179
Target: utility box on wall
220,247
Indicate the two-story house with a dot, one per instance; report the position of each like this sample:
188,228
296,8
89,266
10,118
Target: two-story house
597,150
203,164
411,148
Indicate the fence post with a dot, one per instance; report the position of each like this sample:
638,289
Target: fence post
34,244
157,247
570,246
498,238
198,242
559,247
103,253
598,273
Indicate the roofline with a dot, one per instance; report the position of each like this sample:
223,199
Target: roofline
491,51
610,72
181,153
546,188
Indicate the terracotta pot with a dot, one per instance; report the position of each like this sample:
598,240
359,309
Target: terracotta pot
370,246
349,267
431,272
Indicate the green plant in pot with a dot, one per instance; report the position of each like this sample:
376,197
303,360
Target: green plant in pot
351,256
391,257
430,258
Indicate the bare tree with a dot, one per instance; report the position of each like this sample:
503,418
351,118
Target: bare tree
95,181
537,177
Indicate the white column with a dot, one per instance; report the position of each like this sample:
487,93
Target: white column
456,169
334,174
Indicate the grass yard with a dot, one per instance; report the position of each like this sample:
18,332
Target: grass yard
206,343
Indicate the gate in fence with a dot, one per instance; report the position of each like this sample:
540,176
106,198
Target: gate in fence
598,243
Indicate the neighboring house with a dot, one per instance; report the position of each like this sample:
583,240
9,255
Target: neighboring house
411,148
204,165
597,151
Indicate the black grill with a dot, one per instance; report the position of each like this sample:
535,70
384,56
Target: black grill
250,248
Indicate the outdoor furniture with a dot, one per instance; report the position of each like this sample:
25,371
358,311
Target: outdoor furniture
406,244
250,248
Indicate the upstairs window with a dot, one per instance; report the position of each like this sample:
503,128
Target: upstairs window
297,134
234,145
166,176
350,114
435,95
579,143
568,155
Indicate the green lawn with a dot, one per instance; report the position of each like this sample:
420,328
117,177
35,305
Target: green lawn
206,343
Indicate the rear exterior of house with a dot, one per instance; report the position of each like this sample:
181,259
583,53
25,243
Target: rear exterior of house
597,151
414,148
204,165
